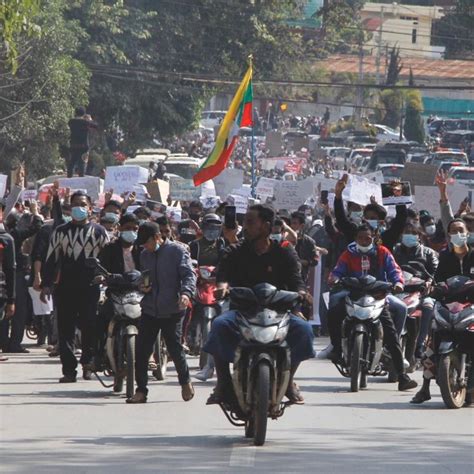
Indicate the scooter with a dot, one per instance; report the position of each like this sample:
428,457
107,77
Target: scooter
362,331
453,340
262,361
123,290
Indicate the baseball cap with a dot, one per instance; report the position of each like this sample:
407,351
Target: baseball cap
147,230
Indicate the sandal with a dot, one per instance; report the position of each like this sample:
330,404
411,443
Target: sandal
294,395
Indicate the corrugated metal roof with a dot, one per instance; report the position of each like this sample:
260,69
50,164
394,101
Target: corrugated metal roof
421,67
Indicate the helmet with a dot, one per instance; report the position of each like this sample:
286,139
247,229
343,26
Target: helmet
211,221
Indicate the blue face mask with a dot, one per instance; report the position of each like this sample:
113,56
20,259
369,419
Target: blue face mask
157,247
142,221
470,238
409,240
373,223
276,237
111,217
129,236
67,219
79,213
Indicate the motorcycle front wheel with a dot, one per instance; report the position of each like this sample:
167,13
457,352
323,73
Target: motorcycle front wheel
262,396
130,365
205,328
448,373
160,355
356,355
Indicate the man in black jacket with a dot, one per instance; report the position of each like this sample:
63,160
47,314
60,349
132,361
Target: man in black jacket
373,214
76,299
7,282
305,246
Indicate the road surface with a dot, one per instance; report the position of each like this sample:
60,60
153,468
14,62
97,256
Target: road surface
82,428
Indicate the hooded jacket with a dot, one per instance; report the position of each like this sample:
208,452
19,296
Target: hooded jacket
379,262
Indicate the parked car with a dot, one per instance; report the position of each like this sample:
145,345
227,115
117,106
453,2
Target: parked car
211,118
385,134
459,139
386,156
462,175
447,165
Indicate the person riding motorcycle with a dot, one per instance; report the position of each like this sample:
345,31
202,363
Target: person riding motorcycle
256,259
364,257
206,251
458,259
411,249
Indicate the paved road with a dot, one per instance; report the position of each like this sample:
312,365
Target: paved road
82,428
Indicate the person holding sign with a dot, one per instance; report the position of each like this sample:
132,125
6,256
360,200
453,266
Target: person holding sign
373,214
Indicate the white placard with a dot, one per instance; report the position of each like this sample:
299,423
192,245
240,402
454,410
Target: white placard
174,213
359,190
228,180
183,189
427,198
123,179
210,202
266,187
91,184
29,194
3,184
376,176
40,308
240,203
245,190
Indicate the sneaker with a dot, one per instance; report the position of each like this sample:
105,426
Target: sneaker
324,354
204,374
406,383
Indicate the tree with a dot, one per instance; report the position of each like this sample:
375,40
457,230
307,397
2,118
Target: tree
454,31
17,20
413,128
394,67
39,99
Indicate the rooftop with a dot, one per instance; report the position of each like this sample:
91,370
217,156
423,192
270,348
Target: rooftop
422,68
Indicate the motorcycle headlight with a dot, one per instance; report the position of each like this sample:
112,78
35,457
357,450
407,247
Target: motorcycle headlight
264,335
363,312
205,273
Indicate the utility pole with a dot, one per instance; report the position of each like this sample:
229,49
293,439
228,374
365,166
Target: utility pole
360,90
379,45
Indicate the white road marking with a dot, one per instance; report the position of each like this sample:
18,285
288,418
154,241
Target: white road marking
242,456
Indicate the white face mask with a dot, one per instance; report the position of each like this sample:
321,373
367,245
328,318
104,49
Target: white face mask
430,229
363,249
458,240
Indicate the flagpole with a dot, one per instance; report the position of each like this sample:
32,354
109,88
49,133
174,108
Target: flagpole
252,152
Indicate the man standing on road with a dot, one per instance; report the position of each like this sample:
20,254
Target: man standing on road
172,283
79,141
7,281
70,245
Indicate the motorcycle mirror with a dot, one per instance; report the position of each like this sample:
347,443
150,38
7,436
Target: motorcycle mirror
92,262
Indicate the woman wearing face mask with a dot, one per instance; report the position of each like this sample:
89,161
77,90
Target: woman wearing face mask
457,259
433,237
411,249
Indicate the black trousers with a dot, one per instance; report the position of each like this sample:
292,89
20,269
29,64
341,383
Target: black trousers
336,316
13,330
76,307
76,161
147,332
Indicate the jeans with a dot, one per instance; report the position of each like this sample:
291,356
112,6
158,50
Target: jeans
76,306
225,336
427,314
335,318
76,160
398,309
147,333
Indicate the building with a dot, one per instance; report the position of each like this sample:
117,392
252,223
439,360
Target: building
430,72
408,27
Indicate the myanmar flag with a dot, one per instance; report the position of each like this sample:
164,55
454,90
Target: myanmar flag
239,115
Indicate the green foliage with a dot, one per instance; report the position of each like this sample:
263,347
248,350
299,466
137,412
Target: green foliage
391,105
394,67
413,127
455,31
17,17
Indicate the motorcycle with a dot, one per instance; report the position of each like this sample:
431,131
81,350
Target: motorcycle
160,356
261,370
123,291
453,337
205,309
362,331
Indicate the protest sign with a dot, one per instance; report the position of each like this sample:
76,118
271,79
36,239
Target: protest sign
245,190
273,143
427,198
123,179
173,213
290,195
266,187
207,188
210,202
419,174
228,180
394,194
158,190
359,190
240,203
91,184
29,194
377,177
3,184
183,189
